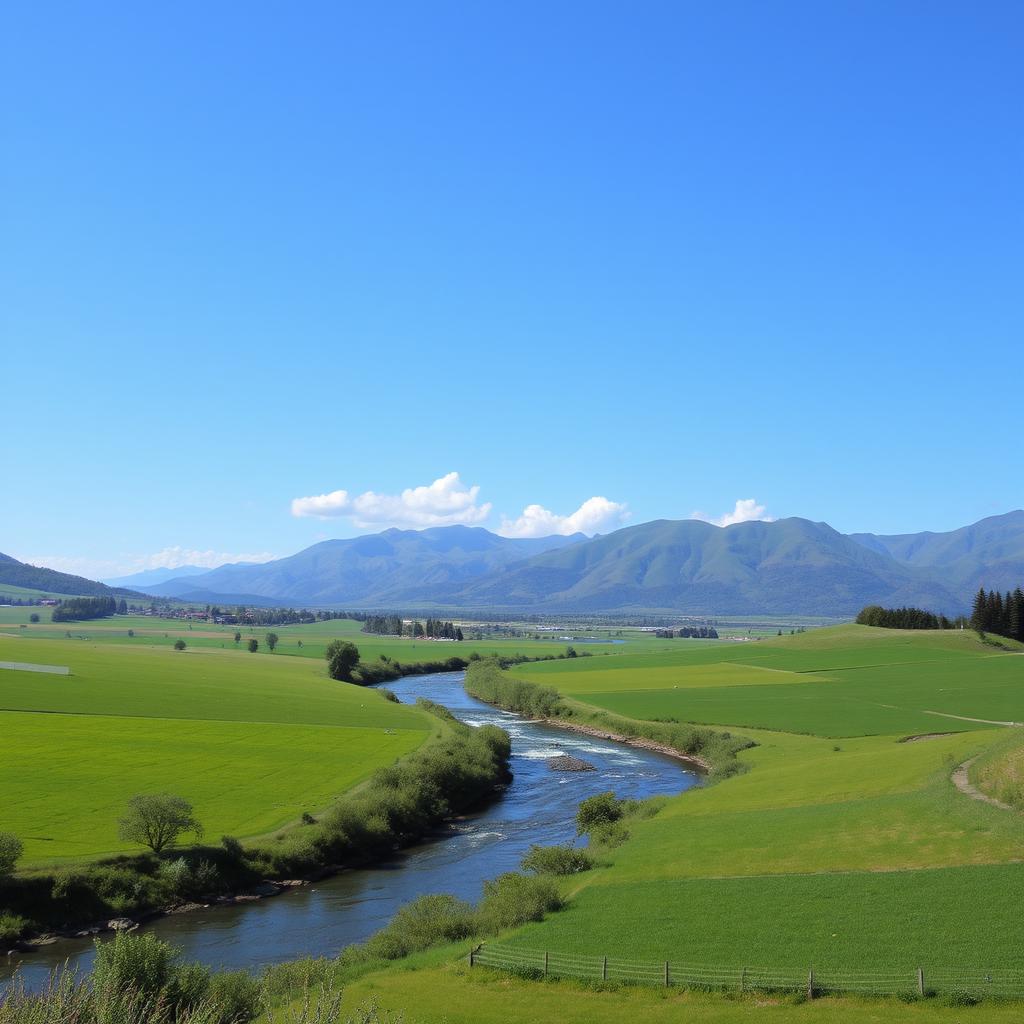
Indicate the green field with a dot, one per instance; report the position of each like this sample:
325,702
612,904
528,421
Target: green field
833,682
844,845
251,740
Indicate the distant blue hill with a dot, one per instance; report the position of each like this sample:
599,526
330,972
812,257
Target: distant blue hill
789,567
150,577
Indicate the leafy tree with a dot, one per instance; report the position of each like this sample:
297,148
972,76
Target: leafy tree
180,645
10,851
342,657
272,639
253,645
34,617
158,821
238,636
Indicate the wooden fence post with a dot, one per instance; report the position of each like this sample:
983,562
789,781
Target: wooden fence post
604,970
810,983
666,974
920,982
545,962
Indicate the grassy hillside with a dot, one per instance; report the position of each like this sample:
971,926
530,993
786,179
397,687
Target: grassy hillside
844,847
251,740
32,577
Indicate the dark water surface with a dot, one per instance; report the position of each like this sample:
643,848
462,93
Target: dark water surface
538,807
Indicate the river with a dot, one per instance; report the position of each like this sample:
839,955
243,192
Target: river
318,920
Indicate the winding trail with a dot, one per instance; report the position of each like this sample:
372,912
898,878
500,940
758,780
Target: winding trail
962,782
964,718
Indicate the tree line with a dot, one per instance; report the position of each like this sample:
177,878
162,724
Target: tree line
688,632
395,625
1002,614
904,618
74,608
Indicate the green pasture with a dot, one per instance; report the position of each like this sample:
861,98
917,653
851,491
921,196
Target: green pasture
438,987
867,921
845,844
306,640
845,681
68,777
251,740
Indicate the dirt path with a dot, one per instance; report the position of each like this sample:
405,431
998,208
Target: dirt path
964,784
964,718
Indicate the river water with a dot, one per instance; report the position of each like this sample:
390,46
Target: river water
318,920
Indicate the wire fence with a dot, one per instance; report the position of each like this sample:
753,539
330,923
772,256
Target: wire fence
917,981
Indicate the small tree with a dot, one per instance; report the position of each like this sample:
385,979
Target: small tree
157,821
254,646
180,645
272,641
342,657
10,851
238,636
34,617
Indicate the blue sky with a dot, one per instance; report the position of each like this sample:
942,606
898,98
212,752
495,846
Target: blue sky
671,255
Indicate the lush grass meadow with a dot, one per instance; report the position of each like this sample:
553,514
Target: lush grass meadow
844,846
251,740
833,682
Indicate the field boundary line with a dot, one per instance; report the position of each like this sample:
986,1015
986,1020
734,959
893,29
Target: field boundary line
919,981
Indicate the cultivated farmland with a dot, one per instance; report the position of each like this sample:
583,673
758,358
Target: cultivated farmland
251,740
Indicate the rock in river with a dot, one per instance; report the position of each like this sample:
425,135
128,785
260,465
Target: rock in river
565,763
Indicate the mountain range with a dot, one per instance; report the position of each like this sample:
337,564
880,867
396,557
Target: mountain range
790,566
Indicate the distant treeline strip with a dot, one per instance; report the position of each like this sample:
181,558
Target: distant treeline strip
395,625
72,609
905,618
993,612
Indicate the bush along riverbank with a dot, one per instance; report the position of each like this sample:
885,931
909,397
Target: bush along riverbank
385,670
396,807
712,751
139,979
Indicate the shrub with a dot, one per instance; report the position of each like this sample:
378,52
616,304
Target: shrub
297,976
237,997
11,928
232,847
180,645
557,860
597,812
430,920
10,850
512,899
141,964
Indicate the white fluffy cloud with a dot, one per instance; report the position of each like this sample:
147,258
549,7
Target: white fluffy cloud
595,515
747,510
445,502
124,565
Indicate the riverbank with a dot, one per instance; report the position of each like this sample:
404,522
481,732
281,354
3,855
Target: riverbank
398,806
457,856
630,741
712,751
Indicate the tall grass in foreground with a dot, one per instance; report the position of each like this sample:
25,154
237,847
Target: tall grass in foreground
137,979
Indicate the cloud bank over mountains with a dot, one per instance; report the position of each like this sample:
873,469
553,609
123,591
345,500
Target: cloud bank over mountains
445,502
747,510
450,502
